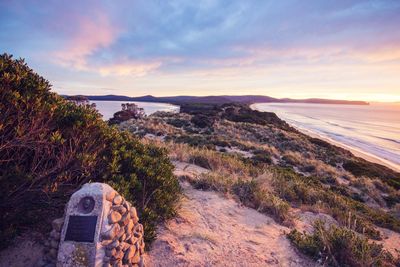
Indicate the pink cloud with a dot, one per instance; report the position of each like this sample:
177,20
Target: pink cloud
136,69
92,34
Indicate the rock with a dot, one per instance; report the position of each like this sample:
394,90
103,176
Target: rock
119,255
138,231
135,258
106,264
55,235
112,233
119,208
133,214
130,252
53,253
114,217
125,246
127,205
124,220
123,237
113,245
110,252
141,246
57,224
110,195
120,233
54,244
133,240
105,243
117,200
129,227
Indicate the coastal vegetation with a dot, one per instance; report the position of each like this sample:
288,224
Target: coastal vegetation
263,163
50,147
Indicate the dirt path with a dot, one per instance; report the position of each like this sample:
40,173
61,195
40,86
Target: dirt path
213,231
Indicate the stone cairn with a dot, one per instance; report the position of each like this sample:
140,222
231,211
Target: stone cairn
123,241
51,245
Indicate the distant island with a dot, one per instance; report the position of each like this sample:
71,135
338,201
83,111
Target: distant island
248,99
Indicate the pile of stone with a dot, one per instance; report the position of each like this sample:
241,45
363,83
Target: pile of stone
51,245
99,228
123,241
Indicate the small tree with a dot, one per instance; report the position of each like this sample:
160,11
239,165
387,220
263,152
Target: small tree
129,111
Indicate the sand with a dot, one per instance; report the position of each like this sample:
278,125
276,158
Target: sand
211,230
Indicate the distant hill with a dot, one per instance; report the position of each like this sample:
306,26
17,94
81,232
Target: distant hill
249,99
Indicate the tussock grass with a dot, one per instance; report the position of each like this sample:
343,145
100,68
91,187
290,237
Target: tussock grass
340,246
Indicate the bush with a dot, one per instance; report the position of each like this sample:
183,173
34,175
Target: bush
50,147
251,194
340,246
129,111
361,167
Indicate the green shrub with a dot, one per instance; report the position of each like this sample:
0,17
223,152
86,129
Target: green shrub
361,167
340,246
252,195
50,147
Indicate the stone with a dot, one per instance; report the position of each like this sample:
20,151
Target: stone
105,243
113,244
112,233
57,224
98,230
125,246
119,208
133,213
117,200
55,235
123,237
135,258
133,240
120,233
141,246
53,253
110,195
54,244
129,253
111,252
129,227
114,217
119,255
124,220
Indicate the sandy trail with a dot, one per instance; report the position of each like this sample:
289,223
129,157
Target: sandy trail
214,231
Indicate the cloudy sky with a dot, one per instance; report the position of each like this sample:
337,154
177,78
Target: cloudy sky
327,48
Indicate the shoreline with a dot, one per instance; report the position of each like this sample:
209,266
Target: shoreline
355,151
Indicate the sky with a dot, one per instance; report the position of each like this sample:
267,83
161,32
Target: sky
336,49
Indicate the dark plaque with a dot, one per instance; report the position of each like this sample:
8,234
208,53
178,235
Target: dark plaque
81,228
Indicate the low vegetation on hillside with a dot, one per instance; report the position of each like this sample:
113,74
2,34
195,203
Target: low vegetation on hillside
265,164
49,147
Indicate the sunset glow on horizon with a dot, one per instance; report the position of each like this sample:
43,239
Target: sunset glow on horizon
296,49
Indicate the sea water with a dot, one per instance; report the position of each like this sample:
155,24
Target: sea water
373,130
108,108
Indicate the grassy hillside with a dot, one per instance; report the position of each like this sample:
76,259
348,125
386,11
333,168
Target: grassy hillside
265,164
49,147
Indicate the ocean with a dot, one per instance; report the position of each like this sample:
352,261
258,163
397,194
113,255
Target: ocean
371,131
108,108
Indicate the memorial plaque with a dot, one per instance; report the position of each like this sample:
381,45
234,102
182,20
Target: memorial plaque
81,228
